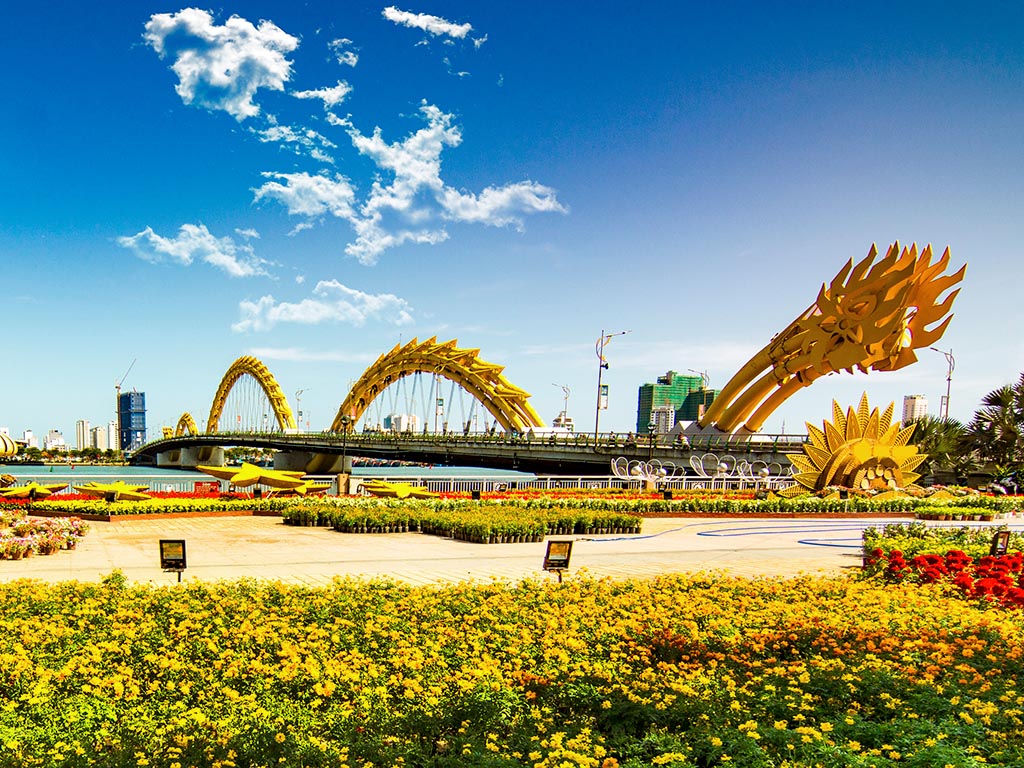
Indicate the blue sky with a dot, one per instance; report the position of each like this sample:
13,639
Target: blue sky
315,182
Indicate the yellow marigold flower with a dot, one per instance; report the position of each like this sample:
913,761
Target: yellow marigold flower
279,737
825,727
715,741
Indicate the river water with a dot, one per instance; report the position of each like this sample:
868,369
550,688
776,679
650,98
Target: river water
178,480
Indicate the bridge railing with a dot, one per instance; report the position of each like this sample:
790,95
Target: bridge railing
486,484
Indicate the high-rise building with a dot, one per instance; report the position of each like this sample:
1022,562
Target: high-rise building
112,437
402,422
54,441
914,407
99,438
688,395
29,438
664,418
131,415
83,439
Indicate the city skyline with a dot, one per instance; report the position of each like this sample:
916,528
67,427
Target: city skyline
313,185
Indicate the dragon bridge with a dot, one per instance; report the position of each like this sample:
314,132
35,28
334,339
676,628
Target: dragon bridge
250,366
507,403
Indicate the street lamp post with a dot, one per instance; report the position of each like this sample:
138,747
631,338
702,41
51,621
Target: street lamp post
602,364
951,363
652,430
346,422
298,408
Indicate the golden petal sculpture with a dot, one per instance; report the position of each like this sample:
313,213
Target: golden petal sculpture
31,490
397,490
116,491
862,450
870,317
7,445
249,474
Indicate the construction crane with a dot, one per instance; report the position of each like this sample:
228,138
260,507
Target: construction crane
117,400
563,418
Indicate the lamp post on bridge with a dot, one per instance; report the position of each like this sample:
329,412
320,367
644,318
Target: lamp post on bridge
602,364
298,407
949,378
346,422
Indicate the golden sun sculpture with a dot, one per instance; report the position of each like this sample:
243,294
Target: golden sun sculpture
862,450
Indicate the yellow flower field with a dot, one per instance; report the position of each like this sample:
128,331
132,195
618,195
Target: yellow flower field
683,671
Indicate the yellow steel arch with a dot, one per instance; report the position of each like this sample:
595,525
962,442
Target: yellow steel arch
484,381
250,365
186,425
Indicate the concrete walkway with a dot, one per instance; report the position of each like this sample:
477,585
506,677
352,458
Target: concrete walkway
264,548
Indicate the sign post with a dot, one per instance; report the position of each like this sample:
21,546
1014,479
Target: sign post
172,556
1000,543
557,557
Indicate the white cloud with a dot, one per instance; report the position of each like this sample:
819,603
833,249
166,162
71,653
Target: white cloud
479,41
415,206
250,234
433,25
331,97
300,140
342,56
501,206
222,67
304,194
194,241
333,302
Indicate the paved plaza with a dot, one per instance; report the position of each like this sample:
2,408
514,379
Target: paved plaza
265,548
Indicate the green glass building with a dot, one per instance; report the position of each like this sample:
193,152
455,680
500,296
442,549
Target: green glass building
687,395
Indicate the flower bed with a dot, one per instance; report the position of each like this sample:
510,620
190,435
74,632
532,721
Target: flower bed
680,671
480,522
525,515
913,539
995,581
98,508
22,536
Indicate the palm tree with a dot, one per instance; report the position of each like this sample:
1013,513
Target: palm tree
943,441
996,434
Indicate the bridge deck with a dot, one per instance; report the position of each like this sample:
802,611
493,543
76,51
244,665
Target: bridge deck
577,454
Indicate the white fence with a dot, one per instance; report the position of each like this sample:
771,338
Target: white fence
499,483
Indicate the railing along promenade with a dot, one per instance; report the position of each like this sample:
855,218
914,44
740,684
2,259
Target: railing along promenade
579,453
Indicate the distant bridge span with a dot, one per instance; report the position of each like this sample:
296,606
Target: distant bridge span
512,448
576,454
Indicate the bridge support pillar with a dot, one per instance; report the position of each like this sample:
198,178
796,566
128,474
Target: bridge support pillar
207,455
169,459
312,463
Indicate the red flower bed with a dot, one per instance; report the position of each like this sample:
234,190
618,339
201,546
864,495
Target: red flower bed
995,579
592,493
